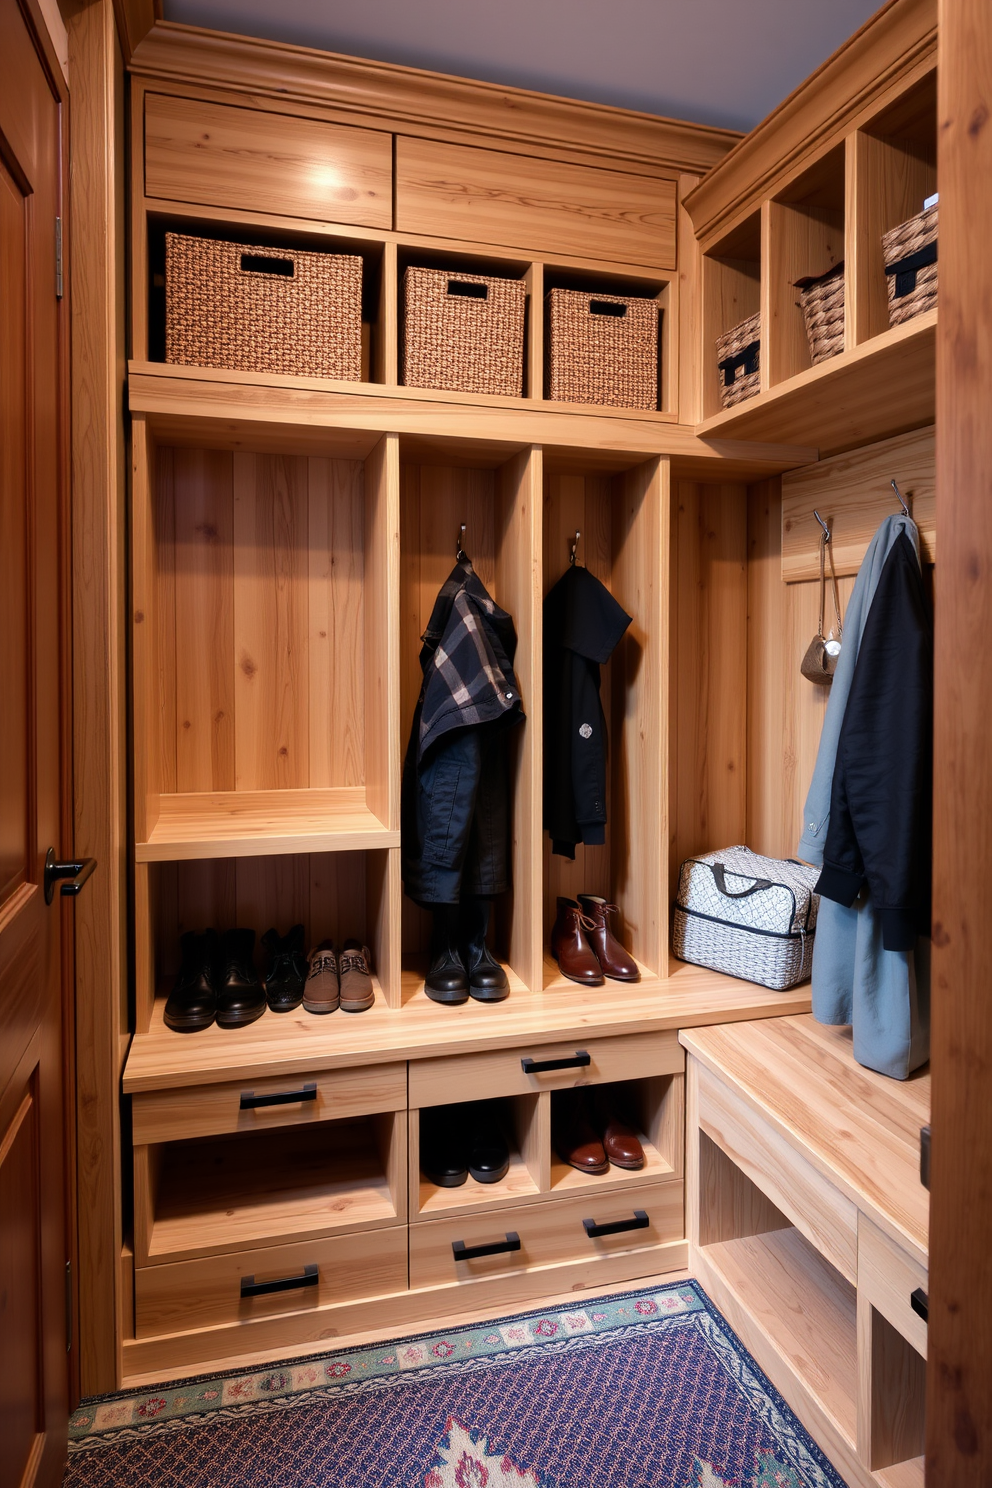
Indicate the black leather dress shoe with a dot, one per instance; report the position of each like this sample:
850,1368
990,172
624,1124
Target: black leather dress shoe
486,978
240,998
447,979
287,969
489,1154
444,1146
192,1003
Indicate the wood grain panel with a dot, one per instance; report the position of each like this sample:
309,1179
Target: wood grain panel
336,632
266,162
381,682
891,1393
853,495
489,196
888,1277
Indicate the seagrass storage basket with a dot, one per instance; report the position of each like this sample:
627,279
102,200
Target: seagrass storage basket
910,252
748,916
464,332
821,298
256,309
601,348
738,362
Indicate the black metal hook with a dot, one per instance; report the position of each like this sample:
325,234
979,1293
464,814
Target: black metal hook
575,544
460,554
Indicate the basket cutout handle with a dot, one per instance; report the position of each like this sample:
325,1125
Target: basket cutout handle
264,263
467,289
719,873
607,307
746,360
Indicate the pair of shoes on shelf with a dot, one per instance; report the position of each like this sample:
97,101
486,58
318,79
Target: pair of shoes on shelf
456,1141
217,981
343,980
462,965
585,945
589,1136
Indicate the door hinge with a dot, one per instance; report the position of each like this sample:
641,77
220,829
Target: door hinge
68,1306
58,258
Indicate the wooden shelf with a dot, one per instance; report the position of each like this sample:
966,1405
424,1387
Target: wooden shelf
568,1180
556,981
516,1188
231,1193
883,387
245,824
776,1290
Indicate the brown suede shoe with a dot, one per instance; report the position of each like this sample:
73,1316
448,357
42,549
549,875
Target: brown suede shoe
320,990
617,963
570,948
576,1139
357,992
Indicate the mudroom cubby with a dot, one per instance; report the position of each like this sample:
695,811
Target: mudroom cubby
804,238
522,1122
653,1108
730,293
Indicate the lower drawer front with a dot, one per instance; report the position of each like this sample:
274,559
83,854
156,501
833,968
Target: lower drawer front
888,1276
204,1293
547,1233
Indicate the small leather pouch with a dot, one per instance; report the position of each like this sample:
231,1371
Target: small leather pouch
820,660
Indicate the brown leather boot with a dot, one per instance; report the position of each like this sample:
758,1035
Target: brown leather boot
570,948
575,1137
617,963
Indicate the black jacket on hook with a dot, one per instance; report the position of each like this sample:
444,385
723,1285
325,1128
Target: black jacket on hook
583,624
455,808
881,797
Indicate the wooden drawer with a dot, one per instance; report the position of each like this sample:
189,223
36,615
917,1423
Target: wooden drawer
462,1077
205,1293
214,1110
488,196
548,1233
826,1217
264,162
888,1276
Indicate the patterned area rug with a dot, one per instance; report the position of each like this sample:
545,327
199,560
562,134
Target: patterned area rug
647,1389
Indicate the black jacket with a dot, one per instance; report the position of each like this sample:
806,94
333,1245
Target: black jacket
455,816
582,626
881,799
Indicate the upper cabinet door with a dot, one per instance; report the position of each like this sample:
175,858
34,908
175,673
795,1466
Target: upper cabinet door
267,163
543,206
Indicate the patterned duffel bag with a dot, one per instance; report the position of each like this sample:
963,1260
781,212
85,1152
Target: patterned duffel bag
748,916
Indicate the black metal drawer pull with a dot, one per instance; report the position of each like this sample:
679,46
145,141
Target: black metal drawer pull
77,872
252,1288
463,1252
578,1060
251,1102
640,1221
920,1303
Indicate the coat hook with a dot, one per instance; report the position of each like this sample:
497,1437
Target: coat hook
459,550
823,525
902,500
575,544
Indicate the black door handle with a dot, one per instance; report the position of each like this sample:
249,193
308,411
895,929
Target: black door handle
640,1221
463,1252
578,1060
252,1288
920,1303
78,871
251,1102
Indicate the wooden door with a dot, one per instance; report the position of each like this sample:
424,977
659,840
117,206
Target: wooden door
33,1240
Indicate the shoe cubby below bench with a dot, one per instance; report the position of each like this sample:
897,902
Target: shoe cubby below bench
807,1226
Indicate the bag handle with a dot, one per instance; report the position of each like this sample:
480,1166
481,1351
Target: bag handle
719,873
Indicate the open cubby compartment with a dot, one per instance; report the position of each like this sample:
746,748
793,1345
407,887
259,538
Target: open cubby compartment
623,519
264,613
654,1108
376,271
523,1121
333,895
803,236
656,288
211,1195
496,266
497,495
731,292
895,171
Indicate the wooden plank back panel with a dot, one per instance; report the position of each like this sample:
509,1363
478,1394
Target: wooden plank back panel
853,495
266,162
490,196
337,674
378,678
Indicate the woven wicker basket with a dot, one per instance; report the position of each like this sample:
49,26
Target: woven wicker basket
464,332
601,349
737,356
821,298
262,309
910,252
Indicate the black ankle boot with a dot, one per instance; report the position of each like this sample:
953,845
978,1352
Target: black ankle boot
486,978
287,969
192,1003
446,980
240,998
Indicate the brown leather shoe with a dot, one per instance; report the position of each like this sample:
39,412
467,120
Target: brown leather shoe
576,1140
622,1144
570,948
617,963
355,968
